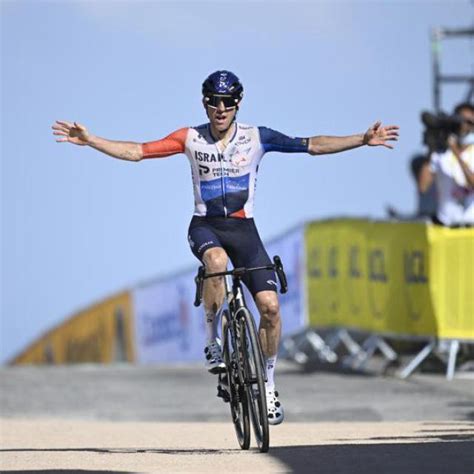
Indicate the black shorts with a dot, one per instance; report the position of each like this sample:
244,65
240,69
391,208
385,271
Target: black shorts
240,240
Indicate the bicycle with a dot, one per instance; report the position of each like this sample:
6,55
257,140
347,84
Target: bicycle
242,384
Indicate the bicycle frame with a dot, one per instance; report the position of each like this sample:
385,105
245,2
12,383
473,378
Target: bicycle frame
233,293
245,375
232,290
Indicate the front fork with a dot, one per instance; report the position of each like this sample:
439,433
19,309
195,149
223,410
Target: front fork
231,384
235,300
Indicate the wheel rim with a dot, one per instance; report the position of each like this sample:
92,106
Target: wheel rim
257,402
255,389
238,396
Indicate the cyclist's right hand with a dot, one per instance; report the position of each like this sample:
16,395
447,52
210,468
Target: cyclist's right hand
71,132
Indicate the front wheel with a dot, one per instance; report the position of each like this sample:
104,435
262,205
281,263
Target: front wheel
254,378
234,378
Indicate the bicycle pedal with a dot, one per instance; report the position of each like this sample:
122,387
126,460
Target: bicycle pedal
221,393
217,370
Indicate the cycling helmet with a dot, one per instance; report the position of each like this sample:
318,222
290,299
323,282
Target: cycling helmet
223,82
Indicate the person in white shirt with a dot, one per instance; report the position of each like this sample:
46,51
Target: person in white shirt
453,172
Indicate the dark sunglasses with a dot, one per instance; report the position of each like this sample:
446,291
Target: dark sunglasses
228,101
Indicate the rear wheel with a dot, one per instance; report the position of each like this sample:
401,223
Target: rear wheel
254,378
234,378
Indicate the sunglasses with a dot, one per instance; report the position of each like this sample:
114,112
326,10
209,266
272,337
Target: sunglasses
214,100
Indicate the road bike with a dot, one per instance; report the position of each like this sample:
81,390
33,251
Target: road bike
242,383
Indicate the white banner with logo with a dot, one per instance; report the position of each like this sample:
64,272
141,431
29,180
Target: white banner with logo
169,328
291,249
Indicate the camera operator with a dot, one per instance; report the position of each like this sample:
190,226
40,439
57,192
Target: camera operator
453,171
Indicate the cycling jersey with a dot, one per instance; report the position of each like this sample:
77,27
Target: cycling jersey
224,182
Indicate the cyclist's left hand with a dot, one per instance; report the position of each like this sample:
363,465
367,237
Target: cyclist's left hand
378,134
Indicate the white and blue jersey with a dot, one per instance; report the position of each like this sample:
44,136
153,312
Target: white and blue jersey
224,182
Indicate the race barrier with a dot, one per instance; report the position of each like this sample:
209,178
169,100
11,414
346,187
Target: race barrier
392,279
156,321
384,279
99,334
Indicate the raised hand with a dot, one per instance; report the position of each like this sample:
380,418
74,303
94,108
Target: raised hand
71,132
379,135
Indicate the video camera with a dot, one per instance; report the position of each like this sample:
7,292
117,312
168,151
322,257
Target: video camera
438,128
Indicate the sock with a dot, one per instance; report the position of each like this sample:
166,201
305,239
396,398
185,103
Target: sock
270,366
212,323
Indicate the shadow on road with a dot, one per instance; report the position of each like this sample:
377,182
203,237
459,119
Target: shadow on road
406,458
437,451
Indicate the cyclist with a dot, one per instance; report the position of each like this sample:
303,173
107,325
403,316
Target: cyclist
224,156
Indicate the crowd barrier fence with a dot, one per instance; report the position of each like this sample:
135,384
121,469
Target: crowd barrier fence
391,280
101,333
407,280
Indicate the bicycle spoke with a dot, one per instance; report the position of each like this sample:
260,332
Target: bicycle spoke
238,397
255,379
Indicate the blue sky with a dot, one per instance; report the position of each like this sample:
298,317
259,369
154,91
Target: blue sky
77,225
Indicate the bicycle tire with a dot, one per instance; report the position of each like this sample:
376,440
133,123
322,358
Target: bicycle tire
255,379
239,406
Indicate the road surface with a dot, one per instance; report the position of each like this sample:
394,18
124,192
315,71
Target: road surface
131,419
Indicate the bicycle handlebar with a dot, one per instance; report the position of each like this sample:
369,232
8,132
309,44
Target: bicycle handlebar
277,265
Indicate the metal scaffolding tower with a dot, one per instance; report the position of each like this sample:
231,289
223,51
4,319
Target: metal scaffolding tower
437,36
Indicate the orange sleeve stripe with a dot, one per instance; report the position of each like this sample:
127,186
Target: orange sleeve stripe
240,213
170,145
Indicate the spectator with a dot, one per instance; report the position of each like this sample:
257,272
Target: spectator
453,172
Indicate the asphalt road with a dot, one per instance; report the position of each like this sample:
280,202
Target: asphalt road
188,393
167,419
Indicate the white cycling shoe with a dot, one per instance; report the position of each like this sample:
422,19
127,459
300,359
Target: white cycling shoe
213,354
276,414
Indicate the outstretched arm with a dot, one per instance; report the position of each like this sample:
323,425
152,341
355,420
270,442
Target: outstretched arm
376,135
78,134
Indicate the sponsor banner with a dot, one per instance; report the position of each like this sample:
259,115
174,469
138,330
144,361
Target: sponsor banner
168,327
389,278
291,250
393,278
337,274
453,285
101,333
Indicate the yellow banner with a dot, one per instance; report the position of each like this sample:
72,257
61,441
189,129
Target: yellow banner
391,278
101,333
453,285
